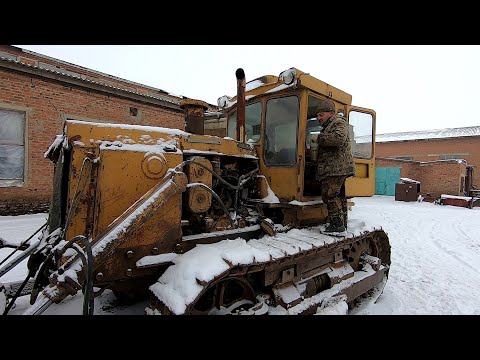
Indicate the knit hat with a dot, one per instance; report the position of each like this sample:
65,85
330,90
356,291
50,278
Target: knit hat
325,106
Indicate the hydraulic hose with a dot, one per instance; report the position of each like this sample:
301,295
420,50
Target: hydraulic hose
22,244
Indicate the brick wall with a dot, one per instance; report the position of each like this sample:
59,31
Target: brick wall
47,103
429,150
436,178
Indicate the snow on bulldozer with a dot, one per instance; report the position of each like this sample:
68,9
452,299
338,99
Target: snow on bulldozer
202,224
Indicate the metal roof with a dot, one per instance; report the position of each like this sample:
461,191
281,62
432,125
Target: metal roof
429,134
86,80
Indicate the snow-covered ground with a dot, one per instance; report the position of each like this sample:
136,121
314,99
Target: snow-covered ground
435,253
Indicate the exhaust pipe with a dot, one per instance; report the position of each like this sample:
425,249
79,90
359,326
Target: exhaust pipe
240,74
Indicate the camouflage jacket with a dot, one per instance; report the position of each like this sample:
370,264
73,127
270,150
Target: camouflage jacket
334,149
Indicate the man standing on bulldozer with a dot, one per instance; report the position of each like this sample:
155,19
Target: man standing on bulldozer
335,164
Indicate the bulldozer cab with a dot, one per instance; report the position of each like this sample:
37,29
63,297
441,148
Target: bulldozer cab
279,121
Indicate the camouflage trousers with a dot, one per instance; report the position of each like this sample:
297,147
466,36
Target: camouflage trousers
333,194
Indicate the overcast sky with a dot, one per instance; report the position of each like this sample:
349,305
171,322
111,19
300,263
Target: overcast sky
411,87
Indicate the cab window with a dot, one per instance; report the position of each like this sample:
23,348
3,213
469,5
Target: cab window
361,134
281,128
253,120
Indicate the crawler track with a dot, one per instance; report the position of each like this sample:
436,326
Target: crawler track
294,261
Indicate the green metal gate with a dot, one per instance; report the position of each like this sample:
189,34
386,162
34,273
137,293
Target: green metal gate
385,180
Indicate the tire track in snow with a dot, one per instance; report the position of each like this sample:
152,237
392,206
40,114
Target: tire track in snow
424,268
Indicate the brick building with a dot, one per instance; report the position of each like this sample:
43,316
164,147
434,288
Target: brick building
37,93
436,177
444,161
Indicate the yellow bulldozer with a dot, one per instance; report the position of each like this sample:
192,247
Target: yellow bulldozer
202,224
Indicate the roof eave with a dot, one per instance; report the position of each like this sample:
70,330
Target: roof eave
85,83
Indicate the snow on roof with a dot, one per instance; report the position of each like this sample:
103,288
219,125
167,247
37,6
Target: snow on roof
229,102
429,134
408,180
253,84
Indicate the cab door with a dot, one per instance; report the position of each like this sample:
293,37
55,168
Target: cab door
279,146
362,137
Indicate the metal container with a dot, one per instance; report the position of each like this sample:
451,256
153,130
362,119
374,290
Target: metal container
406,192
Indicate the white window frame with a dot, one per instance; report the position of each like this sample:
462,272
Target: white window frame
20,182
451,156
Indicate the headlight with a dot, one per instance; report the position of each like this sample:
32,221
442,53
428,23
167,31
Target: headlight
222,101
288,76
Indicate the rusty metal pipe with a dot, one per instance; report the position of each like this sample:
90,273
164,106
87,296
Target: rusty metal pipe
240,74
194,111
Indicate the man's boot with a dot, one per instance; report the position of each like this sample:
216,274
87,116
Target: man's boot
336,224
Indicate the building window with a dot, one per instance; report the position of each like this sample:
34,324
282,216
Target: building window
133,111
404,157
450,157
12,147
